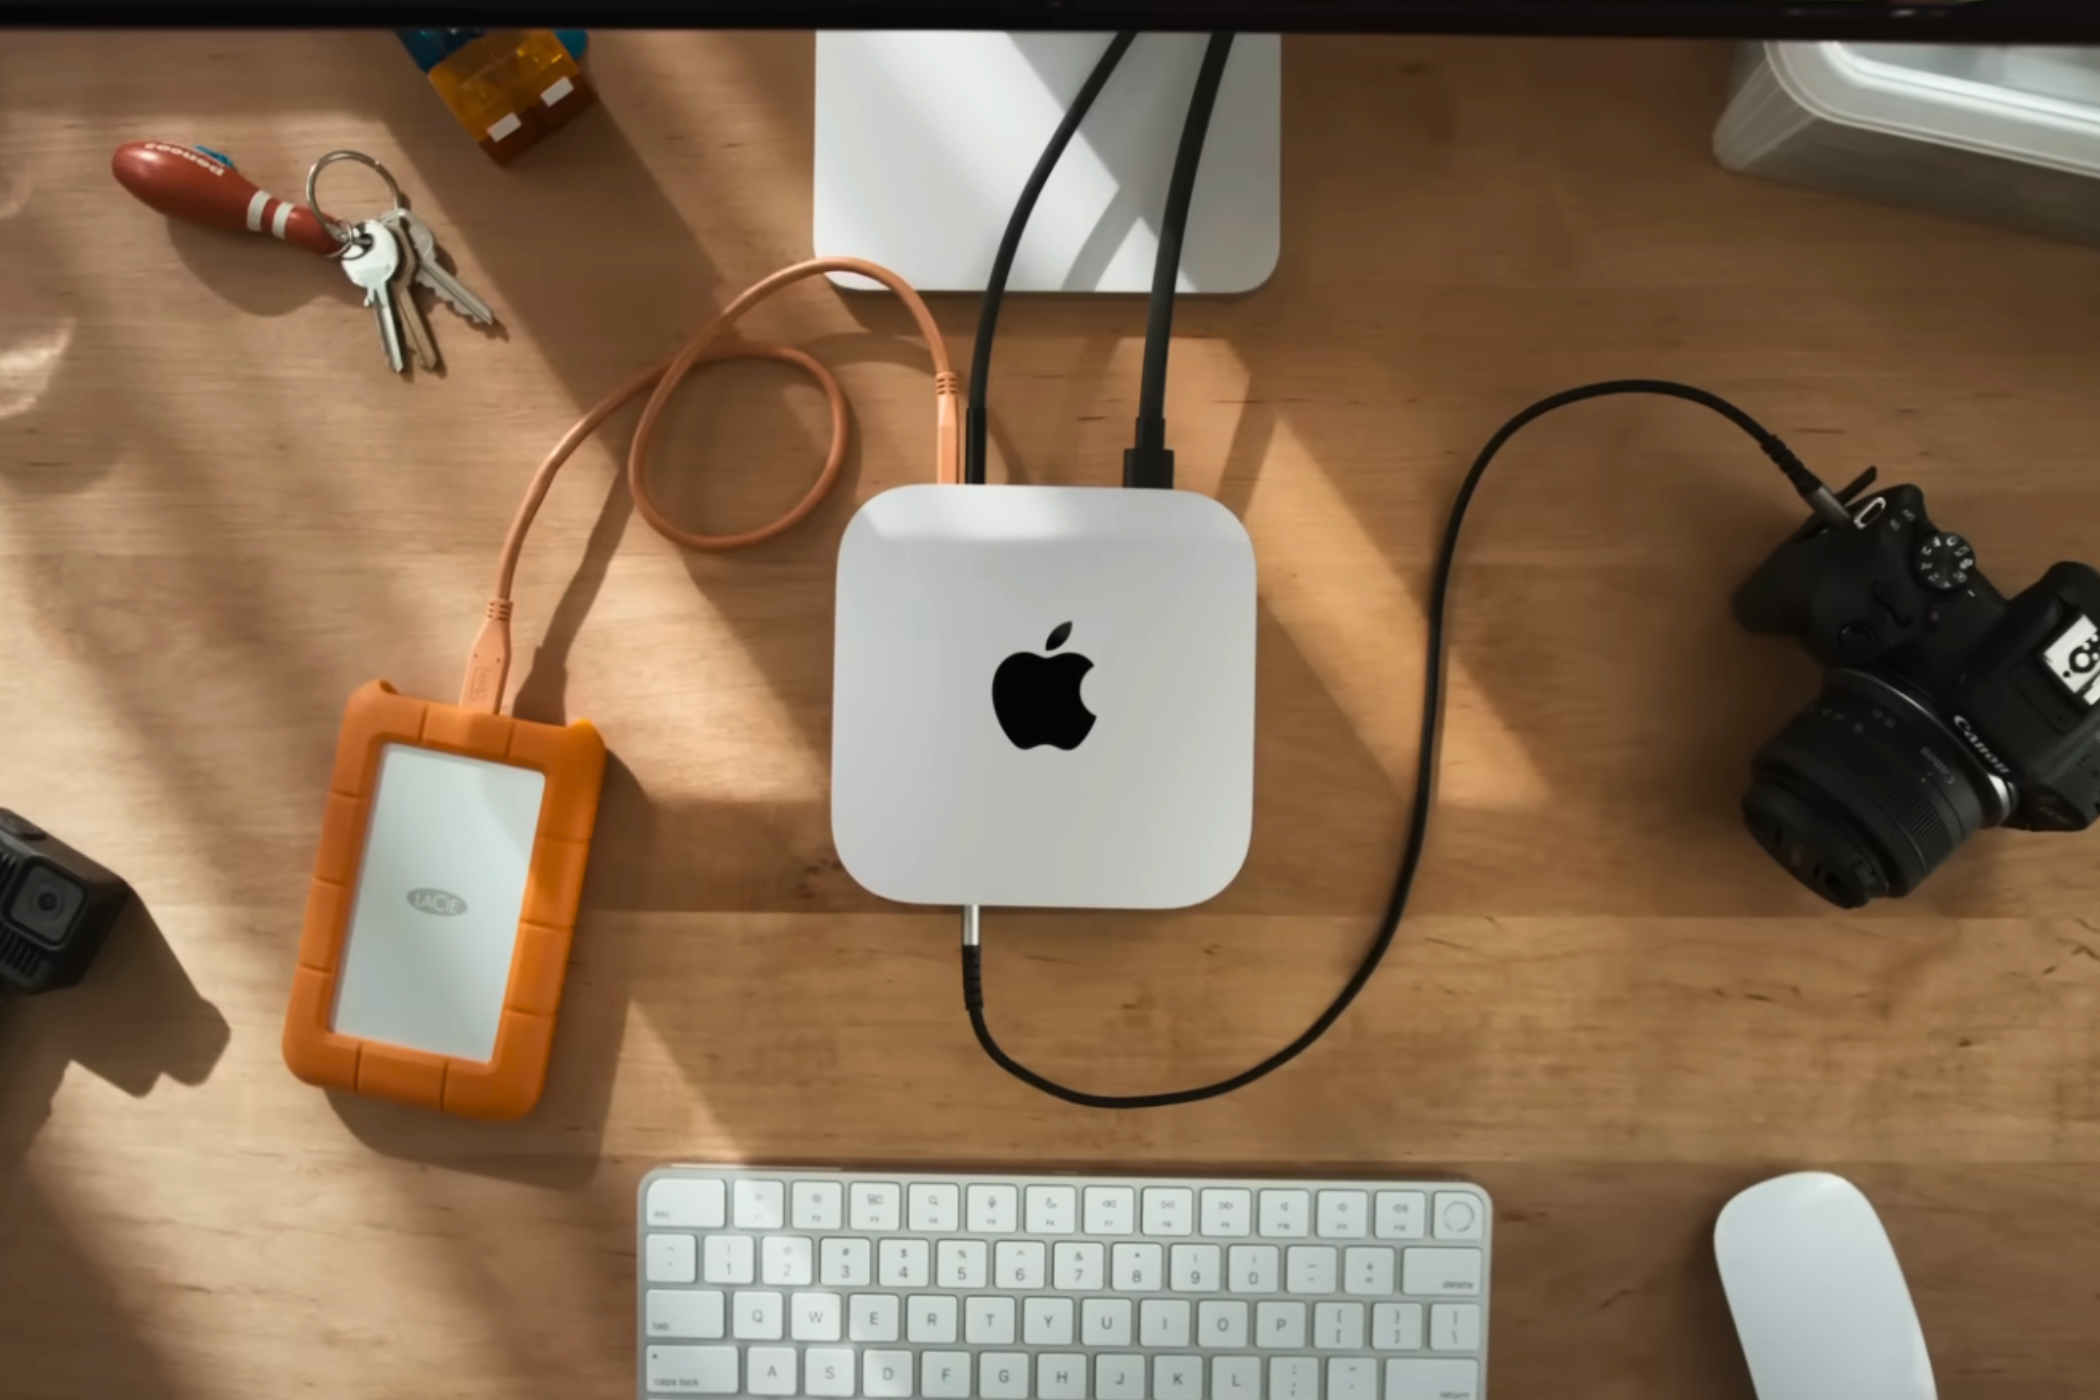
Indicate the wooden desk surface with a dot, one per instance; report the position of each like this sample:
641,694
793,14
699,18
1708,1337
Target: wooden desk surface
222,514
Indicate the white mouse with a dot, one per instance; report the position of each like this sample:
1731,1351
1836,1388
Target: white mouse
1818,1297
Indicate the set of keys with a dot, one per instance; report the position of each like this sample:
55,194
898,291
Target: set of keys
389,257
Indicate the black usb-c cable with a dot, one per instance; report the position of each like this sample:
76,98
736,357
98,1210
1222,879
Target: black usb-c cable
974,426
1149,461
1805,482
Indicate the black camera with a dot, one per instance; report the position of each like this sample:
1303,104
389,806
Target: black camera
1945,709
56,907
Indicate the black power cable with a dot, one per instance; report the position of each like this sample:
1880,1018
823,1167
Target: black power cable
1804,481
1149,462
1010,245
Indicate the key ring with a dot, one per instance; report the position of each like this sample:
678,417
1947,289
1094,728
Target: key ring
343,233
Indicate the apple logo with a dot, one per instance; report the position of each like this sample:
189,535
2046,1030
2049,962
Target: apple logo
1037,697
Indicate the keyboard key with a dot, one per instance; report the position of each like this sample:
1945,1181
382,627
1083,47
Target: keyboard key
1368,1270
988,1321
1344,1215
1119,1378
1111,1210
1047,1322
1196,1268
994,1210
1294,1378
1052,1210
817,1205
1396,1326
1352,1378
1338,1326
1286,1215
904,1263
874,1205
872,1317
1432,1380
1440,1273
693,1313
787,1259
1177,1378
685,1205
757,1317
935,1208
1060,1376
962,1263
668,1259
945,1375
816,1317
1454,1327
1279,1326
1170,1210
772,1371
828,1371
1019,1264
1136,1268
692,1370
1078,1267
886,1375
930,1317
1163,1322
760,1205
1309,1269
1222,1325
1228,1212
1252,1268
1400,1215
1459,1216
1105,1322
1235,1377
1002,1375
845,1263
730,1259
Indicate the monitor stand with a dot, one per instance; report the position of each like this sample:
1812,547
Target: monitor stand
923,141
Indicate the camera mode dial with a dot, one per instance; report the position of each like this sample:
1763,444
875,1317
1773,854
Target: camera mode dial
1945,562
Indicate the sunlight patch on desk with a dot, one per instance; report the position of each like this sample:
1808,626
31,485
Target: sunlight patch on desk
669,680
27,364
1361,630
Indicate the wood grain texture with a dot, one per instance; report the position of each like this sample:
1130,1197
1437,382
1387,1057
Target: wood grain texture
221,514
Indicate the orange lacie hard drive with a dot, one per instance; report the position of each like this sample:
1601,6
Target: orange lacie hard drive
443,901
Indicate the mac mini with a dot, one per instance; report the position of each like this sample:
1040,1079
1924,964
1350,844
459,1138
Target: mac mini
1044,696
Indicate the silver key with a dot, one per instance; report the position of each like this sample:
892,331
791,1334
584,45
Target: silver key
407,314
429,273
372,265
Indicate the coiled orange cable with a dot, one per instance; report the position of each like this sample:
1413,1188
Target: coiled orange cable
488,664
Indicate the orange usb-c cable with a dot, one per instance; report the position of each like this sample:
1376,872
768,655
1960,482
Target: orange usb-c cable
488,664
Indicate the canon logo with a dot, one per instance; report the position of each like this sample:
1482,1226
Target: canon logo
441,902
1968,732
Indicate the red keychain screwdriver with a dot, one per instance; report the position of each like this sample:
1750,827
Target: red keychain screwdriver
189,185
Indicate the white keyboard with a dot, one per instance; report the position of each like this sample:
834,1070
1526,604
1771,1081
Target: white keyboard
962,1286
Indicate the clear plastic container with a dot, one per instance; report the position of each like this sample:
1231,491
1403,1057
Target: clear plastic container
2005,136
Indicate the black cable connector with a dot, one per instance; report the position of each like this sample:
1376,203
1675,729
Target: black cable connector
1150,464
1424,803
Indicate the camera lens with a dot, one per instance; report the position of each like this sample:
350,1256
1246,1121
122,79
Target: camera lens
45,905
1865,792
